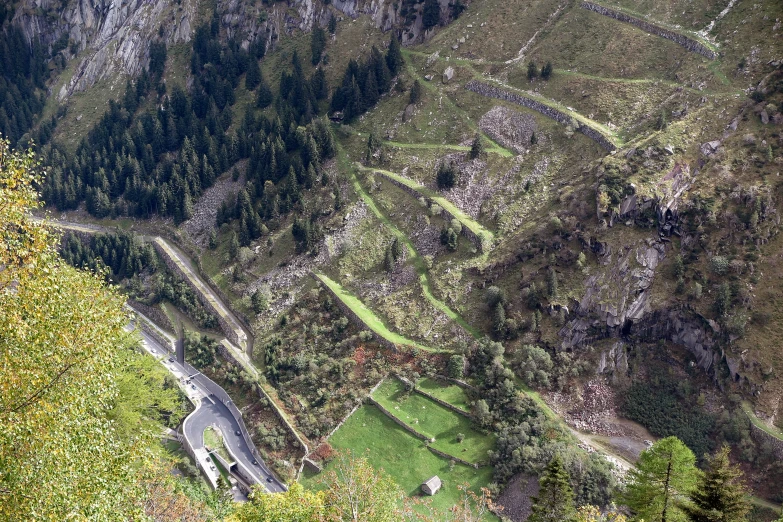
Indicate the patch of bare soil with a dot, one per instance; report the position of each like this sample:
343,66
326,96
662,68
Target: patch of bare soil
516,498
592,410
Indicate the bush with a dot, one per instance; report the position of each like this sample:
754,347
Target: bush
719,265
534,366
457,366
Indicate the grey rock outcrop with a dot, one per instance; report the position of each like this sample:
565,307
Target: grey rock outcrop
113,37
491,91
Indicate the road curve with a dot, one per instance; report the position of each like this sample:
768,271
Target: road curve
210,410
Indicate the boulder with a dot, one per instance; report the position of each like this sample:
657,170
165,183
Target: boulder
408,114
448,74
709,148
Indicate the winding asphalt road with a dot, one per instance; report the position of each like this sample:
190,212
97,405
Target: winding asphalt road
211,411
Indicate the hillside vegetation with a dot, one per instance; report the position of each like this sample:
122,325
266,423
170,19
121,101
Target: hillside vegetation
569,208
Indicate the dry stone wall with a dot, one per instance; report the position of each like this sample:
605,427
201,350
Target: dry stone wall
232,333
689,43
355,319
762,437
398,421
490,91
445,214
443,403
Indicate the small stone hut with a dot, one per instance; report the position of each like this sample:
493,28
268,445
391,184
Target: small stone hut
431,485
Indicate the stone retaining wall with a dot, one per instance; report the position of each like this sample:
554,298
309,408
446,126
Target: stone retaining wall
690,44
398,421
452,457
762,437
491,91
445,214
228,329
355,319
228,356
461,384
444,403
152,329
418,435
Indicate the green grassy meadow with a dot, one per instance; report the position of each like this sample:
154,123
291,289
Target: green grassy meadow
431,419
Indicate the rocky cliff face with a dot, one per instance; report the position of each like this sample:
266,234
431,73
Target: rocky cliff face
112,36
246,18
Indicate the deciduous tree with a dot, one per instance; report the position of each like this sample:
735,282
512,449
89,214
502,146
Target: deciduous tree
664,474
59,330
357,492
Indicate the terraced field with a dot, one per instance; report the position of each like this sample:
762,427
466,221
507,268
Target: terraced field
433,420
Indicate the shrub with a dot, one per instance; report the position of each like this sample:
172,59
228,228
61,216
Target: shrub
457,366
719,265
495,295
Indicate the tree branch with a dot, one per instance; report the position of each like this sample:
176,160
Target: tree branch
37,395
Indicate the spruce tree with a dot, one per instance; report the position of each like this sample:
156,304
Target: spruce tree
555,500
719,495
415,92
477,147
396,249
394,59
253,76
317,43
546,71
388,259
532,71
332,25
430,15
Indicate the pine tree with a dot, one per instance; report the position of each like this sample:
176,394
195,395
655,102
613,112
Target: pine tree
532,71
533,138
394,59
332,25
555,500
719,495
477,147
